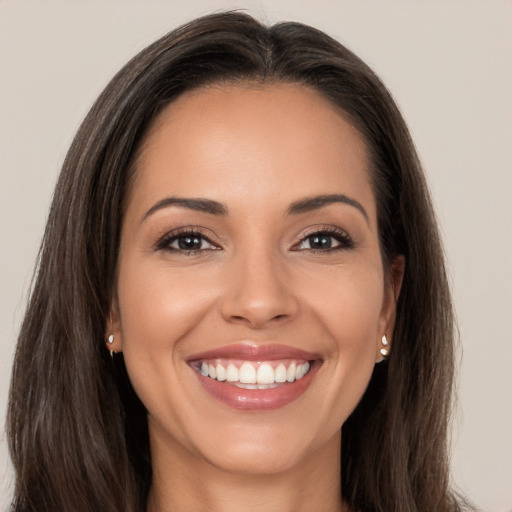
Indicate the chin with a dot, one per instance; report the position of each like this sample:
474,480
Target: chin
263,458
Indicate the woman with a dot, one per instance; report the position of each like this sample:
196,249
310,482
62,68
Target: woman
241,301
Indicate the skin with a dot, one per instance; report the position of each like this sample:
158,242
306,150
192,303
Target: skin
256,150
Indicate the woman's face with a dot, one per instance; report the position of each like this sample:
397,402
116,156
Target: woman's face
250,256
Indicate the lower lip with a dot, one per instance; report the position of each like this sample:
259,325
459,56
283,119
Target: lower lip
258,399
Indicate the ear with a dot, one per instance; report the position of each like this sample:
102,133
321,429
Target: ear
392,286
113,339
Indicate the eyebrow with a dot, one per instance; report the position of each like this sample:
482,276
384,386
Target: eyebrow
314,203
197,204
215,208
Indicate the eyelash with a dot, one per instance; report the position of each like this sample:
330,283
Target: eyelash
344,240
165,242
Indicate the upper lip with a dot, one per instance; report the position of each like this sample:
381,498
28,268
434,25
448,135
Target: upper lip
255,352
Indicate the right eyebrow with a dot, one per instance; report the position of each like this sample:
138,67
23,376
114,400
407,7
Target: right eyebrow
197,204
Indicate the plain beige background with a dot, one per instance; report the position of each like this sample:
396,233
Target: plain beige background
448,63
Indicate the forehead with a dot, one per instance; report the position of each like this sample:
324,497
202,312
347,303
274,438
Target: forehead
268,142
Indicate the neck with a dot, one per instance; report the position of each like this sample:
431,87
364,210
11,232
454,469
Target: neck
184,484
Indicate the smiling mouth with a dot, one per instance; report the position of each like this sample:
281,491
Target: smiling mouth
253,374
251,377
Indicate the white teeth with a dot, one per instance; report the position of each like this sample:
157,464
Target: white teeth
232,373
280,373
221,372
255,375
265,374
247,374
255,386
290,374
246,386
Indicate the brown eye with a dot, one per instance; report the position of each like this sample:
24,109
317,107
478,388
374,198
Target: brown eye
325,241
187,242
319,242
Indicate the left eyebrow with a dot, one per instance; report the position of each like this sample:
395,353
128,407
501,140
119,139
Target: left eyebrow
314,203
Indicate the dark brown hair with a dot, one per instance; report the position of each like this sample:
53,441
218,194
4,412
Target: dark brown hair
77,431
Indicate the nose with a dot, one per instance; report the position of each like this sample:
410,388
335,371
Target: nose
259,292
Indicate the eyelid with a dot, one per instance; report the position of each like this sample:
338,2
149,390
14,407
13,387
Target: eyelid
164,241
344,239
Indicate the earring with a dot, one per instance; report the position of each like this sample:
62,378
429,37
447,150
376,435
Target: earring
385,343
110,341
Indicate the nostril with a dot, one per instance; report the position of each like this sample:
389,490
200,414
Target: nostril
257,305
257,322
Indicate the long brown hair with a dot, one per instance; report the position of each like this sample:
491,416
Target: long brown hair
77,431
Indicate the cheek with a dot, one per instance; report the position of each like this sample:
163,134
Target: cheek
158,307
353,330
348,308
348,303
